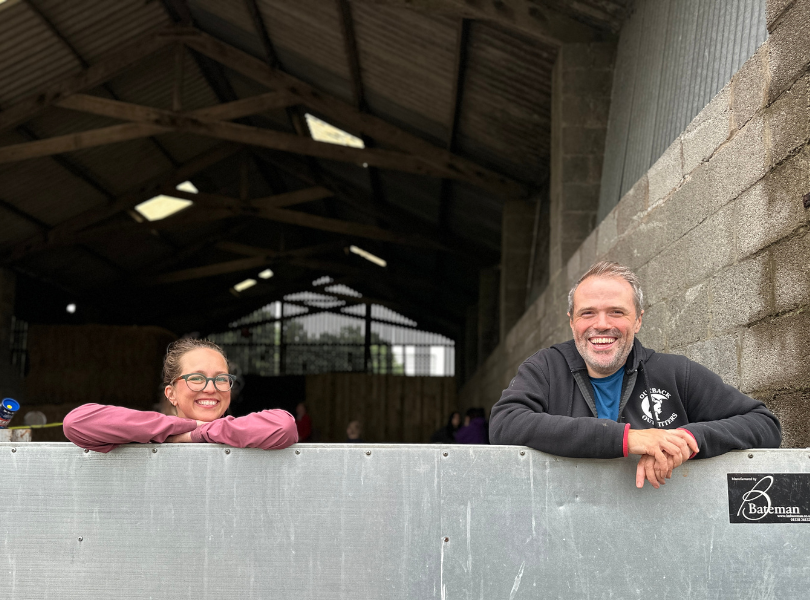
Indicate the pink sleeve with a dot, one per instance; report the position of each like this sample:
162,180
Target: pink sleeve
102,428
268,430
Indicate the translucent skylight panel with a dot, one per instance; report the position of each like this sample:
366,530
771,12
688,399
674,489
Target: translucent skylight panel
322,131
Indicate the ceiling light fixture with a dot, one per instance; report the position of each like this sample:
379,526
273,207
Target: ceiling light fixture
266,274
243,285
368,256
71,308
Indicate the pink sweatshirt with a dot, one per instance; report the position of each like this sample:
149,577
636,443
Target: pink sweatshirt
102,428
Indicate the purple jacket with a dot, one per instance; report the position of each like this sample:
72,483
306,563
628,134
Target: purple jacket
474,433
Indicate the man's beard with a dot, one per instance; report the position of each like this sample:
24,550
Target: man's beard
621,352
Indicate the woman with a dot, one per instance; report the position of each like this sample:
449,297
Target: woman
198,385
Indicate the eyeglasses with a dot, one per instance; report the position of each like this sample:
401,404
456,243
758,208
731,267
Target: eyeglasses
197,382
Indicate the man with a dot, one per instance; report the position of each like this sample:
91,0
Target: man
603,395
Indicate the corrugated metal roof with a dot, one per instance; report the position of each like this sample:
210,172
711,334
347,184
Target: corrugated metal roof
505,119
407,65
95,27
408,71
30,56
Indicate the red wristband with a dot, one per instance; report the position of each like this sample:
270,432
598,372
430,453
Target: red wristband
625,449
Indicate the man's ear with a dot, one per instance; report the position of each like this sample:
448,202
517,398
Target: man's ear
638,322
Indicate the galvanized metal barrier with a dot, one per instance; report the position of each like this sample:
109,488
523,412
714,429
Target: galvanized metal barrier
374,521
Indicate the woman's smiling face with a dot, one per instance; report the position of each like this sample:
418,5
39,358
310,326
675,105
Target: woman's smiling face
209,403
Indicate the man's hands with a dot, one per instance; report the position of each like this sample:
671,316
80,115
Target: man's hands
182,438
662,450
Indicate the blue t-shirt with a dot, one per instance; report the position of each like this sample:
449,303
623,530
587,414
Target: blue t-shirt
608,392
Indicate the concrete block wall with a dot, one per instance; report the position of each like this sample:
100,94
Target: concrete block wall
718,232
516,246
580,104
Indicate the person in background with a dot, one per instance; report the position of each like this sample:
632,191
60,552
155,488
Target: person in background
303,422
198,386
447,434
353,432
475,430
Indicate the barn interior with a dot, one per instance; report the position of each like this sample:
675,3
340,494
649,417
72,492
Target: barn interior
436,118
360,200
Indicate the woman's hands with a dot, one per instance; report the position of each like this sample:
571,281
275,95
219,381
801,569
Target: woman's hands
182,438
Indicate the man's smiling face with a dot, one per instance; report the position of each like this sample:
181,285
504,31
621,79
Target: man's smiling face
604,323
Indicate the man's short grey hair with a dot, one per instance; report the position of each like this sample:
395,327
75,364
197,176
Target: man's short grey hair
606,268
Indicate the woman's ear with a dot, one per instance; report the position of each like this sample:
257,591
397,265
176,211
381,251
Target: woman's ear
169,391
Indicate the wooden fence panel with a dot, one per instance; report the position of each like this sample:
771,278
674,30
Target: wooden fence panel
392,408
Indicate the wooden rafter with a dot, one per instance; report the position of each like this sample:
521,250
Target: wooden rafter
392,215
352,56
66,232
148,121
446,190
222,268
276,201
88,78
261,32
257,258
247,250
348,116
422,156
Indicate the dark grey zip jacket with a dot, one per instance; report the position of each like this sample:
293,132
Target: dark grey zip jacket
549,406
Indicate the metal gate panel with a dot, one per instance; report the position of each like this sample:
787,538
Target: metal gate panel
383,521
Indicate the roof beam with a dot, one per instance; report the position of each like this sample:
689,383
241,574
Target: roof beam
222,268
128,111
93,76
260,258
246,250
276,201
358,91
348,116
78,141
246,107
72,49
150,121
66,231
460,68
388,213
261,31
195,215
531,17
349,228
352,57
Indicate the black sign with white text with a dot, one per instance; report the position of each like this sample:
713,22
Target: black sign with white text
769,497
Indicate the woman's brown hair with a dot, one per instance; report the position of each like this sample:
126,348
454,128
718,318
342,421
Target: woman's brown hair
176,350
